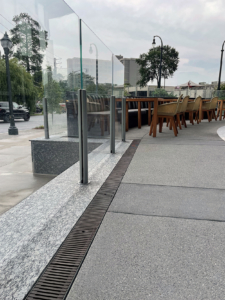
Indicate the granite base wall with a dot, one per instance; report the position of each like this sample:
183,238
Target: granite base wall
55,156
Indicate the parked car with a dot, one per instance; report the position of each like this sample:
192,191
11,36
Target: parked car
19,112
38,109
62,107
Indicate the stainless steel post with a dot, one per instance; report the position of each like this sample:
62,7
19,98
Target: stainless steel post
112,124
45,108
82,124
123,119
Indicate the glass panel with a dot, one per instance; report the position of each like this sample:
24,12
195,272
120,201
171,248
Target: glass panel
22,57
118,92
45,38
61,77
220,94
97,80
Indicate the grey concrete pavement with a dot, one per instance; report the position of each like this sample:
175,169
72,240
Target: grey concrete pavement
16,176
170,201
178,165
163,236
140,257
22,125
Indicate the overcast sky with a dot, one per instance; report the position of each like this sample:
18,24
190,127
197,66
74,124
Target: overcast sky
195,28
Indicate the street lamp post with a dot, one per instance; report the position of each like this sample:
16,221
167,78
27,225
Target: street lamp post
7,45
221,62
91,51
160,67
165,75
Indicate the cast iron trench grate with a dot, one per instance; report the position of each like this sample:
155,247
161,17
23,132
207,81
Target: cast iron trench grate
58,276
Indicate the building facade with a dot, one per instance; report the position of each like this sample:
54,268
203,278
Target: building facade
206,90
89,67
131,70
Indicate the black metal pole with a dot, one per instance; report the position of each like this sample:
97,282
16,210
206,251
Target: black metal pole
160,67
221,63
12,129
96,73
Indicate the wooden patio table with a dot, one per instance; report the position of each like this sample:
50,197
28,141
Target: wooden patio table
149,100
156,102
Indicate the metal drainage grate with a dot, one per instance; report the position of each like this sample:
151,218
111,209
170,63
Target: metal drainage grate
58,276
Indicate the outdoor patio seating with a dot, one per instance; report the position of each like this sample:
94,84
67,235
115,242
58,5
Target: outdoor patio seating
193,108
210,108
133,114
98,112
223,109
167,110
181,111
93,104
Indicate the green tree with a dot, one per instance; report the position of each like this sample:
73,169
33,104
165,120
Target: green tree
150,63
126,92
65,90
162,93
23,88
29,41
74,80
222,86
53,93
221,93
104,89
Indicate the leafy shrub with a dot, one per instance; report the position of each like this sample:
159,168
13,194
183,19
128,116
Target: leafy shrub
163,93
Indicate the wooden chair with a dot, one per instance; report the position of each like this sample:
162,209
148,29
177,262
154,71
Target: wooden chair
210,108
223,109
193,108
167,110
167,119
181,112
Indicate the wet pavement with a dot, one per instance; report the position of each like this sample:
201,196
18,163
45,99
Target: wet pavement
22,125
16,176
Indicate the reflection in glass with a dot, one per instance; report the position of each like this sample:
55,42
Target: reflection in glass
45,62
91,51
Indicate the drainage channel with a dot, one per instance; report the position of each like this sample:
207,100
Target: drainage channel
59,275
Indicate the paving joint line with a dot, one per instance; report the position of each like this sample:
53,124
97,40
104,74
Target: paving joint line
173,186
168,217
184,144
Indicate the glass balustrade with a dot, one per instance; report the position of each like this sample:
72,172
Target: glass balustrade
46,61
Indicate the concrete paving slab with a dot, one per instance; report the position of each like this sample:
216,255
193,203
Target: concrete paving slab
22,125
165,201
135,133
189,141
183,165
221,132
22,165
4,160
203,131
16,176
163,237
141,257
19,151
18,186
